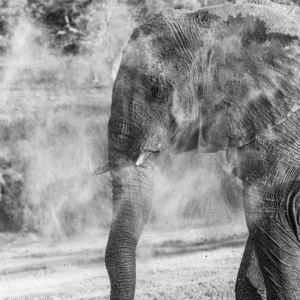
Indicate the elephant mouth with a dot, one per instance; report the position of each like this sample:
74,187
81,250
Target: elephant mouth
143,156
151,147
139,161
209,140
209,148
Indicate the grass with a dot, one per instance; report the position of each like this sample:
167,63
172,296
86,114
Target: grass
168,265
201,275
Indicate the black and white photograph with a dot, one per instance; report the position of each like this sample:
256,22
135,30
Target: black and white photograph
150,149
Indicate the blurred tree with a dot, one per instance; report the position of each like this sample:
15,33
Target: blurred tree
60,19
10,11
12,203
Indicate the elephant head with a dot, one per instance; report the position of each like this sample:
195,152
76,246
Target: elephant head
213,79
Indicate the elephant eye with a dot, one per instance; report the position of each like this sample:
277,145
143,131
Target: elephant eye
155,91
158,91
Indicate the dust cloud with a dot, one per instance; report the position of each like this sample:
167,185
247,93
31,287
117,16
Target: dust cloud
56,109
196,188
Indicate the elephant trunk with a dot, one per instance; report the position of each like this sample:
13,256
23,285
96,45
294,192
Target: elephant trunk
132,198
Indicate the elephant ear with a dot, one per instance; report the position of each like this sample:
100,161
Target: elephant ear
250,81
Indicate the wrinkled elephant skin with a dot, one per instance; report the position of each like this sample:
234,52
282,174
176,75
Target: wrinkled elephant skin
220,78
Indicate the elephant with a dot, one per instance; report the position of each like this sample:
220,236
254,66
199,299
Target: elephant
222,78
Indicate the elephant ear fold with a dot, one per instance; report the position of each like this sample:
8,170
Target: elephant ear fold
250,86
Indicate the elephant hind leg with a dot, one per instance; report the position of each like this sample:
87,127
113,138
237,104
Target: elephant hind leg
250,283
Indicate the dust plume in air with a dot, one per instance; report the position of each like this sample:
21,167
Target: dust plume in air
56,107
54,118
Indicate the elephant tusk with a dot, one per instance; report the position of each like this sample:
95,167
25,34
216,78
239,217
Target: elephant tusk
102,169
142,157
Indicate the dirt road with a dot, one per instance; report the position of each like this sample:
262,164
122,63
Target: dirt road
175,264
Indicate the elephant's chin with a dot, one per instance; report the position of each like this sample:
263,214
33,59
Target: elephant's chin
209,148
210,142
243,161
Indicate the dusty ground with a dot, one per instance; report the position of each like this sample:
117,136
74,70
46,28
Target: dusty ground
189,263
